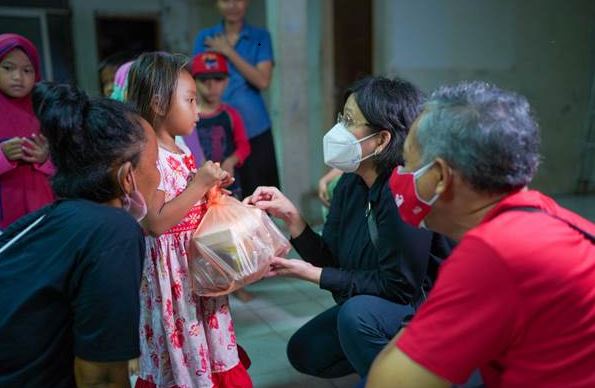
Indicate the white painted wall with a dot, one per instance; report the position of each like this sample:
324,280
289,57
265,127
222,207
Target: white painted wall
543,49
301,95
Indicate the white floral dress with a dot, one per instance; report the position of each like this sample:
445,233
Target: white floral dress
185,339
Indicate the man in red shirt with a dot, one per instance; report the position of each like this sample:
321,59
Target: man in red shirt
516,298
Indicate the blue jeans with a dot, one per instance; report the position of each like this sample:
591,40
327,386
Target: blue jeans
346,338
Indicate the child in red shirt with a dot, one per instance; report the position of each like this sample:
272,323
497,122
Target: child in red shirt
220,132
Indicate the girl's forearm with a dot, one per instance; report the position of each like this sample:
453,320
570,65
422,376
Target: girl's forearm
169,214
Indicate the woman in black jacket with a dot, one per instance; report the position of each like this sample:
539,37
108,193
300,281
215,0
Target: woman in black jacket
372,262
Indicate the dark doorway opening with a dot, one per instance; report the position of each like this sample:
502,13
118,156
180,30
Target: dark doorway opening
121,38
352,44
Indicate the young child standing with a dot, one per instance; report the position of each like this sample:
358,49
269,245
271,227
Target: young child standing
186,340
24,153
220,133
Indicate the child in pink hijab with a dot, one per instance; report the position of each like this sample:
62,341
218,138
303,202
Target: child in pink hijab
25,166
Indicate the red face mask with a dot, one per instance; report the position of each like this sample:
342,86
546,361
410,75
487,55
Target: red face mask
412,208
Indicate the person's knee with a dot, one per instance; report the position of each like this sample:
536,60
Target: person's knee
354,316
299,354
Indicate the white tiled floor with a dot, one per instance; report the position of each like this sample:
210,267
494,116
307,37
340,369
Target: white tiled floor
265,324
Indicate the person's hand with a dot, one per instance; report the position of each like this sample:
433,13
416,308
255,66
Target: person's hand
13,148
210,174
229,165
294,268
227,181
323,194
271,200
219,43
36,149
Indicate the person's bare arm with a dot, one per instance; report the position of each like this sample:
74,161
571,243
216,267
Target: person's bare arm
163,215
258,76
393,368
89,374
323,182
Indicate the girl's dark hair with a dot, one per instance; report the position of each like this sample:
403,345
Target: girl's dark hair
89,138
154,75
390,105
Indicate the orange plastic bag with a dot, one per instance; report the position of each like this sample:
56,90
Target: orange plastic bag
233,246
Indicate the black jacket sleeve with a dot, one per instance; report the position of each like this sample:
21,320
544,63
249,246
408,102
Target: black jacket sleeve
313,249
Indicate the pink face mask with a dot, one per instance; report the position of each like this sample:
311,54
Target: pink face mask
412,208
134,203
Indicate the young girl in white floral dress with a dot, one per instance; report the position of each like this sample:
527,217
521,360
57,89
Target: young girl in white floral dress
186,340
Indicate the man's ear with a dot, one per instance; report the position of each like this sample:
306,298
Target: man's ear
446,175
124,178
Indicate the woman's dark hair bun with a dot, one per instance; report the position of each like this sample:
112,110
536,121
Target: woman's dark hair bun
60,108
88,138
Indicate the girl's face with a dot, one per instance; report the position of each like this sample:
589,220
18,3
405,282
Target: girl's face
107,80
232,10
183,113
17,74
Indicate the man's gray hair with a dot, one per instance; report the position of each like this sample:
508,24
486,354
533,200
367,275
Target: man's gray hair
485,133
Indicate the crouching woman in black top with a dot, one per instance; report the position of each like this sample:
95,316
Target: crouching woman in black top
372,262
70,272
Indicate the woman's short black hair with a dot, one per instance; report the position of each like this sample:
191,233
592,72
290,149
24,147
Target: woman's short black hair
88,138
390,105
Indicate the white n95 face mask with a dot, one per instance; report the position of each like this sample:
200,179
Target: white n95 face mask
342,150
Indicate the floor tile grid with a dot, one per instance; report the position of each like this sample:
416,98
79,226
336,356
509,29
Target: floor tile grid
283,305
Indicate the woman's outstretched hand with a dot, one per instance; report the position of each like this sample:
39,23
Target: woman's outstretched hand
271,200
295,268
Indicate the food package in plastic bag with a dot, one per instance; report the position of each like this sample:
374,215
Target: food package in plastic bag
233,246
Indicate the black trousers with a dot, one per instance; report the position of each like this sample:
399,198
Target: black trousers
260,168
346,338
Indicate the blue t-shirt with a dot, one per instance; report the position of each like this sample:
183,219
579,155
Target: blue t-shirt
68,288
254,46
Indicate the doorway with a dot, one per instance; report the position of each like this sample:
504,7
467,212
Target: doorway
352,33
121,38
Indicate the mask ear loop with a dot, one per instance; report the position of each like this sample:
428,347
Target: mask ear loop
367,137
416,176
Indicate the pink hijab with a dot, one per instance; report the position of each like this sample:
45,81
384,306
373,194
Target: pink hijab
17,114
23,187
